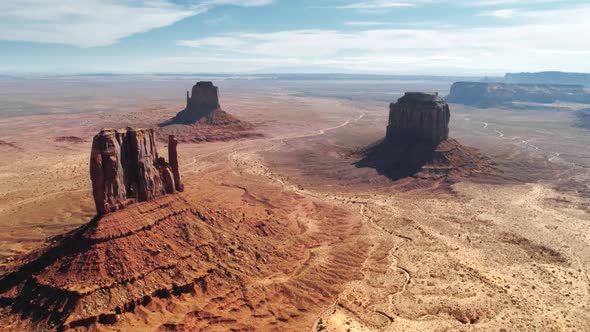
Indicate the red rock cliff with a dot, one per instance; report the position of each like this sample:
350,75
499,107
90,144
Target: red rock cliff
125,168
419,116
203,100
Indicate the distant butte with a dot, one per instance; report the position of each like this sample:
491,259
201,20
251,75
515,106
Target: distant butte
417,142
203,119
202,105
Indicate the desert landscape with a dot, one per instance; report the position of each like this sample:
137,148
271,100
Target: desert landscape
279,225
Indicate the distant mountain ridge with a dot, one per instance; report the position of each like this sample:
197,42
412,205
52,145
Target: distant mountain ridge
549,77
493,94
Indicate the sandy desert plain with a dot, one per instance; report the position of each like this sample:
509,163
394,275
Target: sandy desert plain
339,247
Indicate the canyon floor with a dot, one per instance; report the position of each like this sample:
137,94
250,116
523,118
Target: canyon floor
344,248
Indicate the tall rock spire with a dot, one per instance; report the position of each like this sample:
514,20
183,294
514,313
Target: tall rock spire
173,156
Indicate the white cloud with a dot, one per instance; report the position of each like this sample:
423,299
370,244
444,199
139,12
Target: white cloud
376,4
500,13
90,23
366,23
541,40
244,3
509,2
388,4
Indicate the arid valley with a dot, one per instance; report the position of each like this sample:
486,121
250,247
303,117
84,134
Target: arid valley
293,232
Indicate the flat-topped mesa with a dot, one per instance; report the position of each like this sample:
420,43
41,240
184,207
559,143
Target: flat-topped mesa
203,100
125,168
419,116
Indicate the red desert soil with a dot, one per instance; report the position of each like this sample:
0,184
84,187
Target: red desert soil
9,145
283,233
206,131
222,259
71,139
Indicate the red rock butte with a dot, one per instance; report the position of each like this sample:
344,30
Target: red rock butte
205,95
203,119
419,116
417,142
125,168
167,253
127,256
203,106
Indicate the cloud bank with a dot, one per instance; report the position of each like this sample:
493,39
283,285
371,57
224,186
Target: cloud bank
532,40
91,23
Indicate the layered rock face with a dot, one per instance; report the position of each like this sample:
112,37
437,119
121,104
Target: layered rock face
125,168
203,100
419,116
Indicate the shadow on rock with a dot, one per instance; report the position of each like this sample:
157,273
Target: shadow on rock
397,161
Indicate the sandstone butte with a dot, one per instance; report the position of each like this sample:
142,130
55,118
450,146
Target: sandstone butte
202,106
417,142
419,116
203,119
152,246
125,168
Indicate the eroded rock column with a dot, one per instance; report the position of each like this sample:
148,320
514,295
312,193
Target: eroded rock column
125,168
173,157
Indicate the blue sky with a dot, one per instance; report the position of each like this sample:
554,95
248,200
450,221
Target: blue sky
454,37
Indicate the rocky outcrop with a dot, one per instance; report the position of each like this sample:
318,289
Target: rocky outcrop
417,142
203,120
205,95
419,116
171,252
203,101
494,94
125,168
173,156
